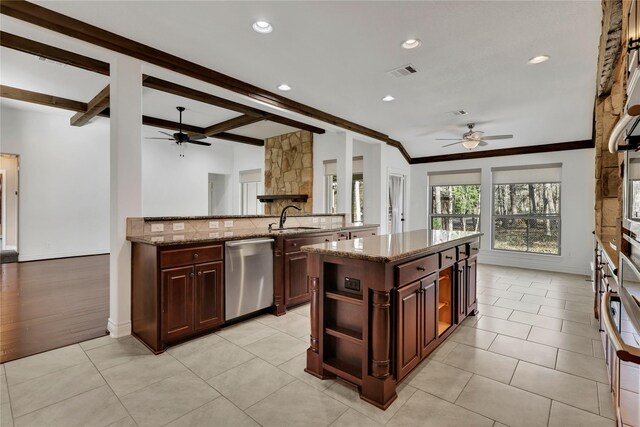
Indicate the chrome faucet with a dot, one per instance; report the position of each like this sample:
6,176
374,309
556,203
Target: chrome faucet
283,215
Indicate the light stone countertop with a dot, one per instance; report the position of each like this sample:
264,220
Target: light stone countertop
393,247
177,238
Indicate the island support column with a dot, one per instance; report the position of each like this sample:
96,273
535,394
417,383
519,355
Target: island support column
379,387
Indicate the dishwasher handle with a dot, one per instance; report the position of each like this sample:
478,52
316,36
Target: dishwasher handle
249,242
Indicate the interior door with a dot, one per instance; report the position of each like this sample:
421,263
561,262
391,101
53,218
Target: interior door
396,193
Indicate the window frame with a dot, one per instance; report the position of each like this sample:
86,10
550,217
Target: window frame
431,215
528,216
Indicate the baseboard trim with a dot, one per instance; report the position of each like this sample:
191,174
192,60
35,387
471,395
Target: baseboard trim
58,255
533,265
118,330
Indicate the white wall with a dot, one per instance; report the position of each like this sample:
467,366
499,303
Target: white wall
577,201
64,183
9,165
326,146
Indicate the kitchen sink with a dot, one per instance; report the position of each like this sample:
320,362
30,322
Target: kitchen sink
296,228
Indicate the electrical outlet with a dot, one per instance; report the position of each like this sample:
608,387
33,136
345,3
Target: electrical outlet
214,235
352,284
315,220
178,237
323,219
157,228
228,224
228,234
157,239
214,224
178,226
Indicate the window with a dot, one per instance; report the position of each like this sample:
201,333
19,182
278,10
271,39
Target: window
250,188
330,186
526,209
357,191
455,201
633,189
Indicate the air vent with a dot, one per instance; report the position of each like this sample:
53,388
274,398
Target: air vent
404,71
459,113
51,61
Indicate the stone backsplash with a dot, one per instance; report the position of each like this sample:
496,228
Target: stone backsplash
137,227
288,169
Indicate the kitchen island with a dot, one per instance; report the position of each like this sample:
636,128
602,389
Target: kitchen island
381,304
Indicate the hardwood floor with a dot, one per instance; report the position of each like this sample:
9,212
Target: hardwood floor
53,303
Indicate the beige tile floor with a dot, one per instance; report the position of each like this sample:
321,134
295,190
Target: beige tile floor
532,357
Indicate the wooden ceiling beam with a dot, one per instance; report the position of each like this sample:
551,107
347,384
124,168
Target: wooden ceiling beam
21,44
230,124
41,99
71,27
170,125
514,151
94,107
196,95
240,138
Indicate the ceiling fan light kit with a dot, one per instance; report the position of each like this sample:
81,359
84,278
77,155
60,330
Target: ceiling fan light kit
473,138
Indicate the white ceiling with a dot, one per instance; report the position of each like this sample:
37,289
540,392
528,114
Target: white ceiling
335,56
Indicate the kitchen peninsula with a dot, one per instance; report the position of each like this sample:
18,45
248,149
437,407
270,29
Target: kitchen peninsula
181,284
381,304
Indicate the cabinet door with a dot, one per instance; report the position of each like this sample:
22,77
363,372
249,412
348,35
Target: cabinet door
209,297
409,319
461,292
296,288
472,297
177,302
429,310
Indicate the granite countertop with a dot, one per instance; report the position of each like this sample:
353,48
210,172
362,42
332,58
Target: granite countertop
163,239
392,247
188,218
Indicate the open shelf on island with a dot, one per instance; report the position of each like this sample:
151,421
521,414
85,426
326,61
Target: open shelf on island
350,372
351,298
445,299
344,333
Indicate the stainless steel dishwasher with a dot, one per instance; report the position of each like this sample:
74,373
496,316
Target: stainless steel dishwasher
248,276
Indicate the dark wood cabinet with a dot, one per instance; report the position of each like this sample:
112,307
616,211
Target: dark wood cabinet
177,302
429,315
208,296
295,277
461,291
177,292
409,319
471,285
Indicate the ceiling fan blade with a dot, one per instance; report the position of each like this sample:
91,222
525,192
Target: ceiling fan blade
196,136
198,142
453,143
166,139
165,133
483,143
447,139
497,137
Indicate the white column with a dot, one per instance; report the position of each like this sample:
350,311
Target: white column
345,175
126,184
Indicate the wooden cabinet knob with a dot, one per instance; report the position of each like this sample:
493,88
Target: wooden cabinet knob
199,273
195,255
421,269
190,274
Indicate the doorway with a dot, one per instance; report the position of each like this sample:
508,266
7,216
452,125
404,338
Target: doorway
9,180
396,196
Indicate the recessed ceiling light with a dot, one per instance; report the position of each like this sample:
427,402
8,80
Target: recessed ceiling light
388,98
284,87
262,27
411,43
539,59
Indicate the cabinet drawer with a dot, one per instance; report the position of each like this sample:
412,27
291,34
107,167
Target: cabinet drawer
294,245
447,258
177,257
462,252
414,270
474,247
363,233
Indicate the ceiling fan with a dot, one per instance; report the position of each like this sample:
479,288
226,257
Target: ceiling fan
181,138
472,138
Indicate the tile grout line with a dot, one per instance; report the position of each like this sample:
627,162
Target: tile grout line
109,385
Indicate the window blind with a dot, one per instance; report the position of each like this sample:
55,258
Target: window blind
252,175
527,174
330,167
463,177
